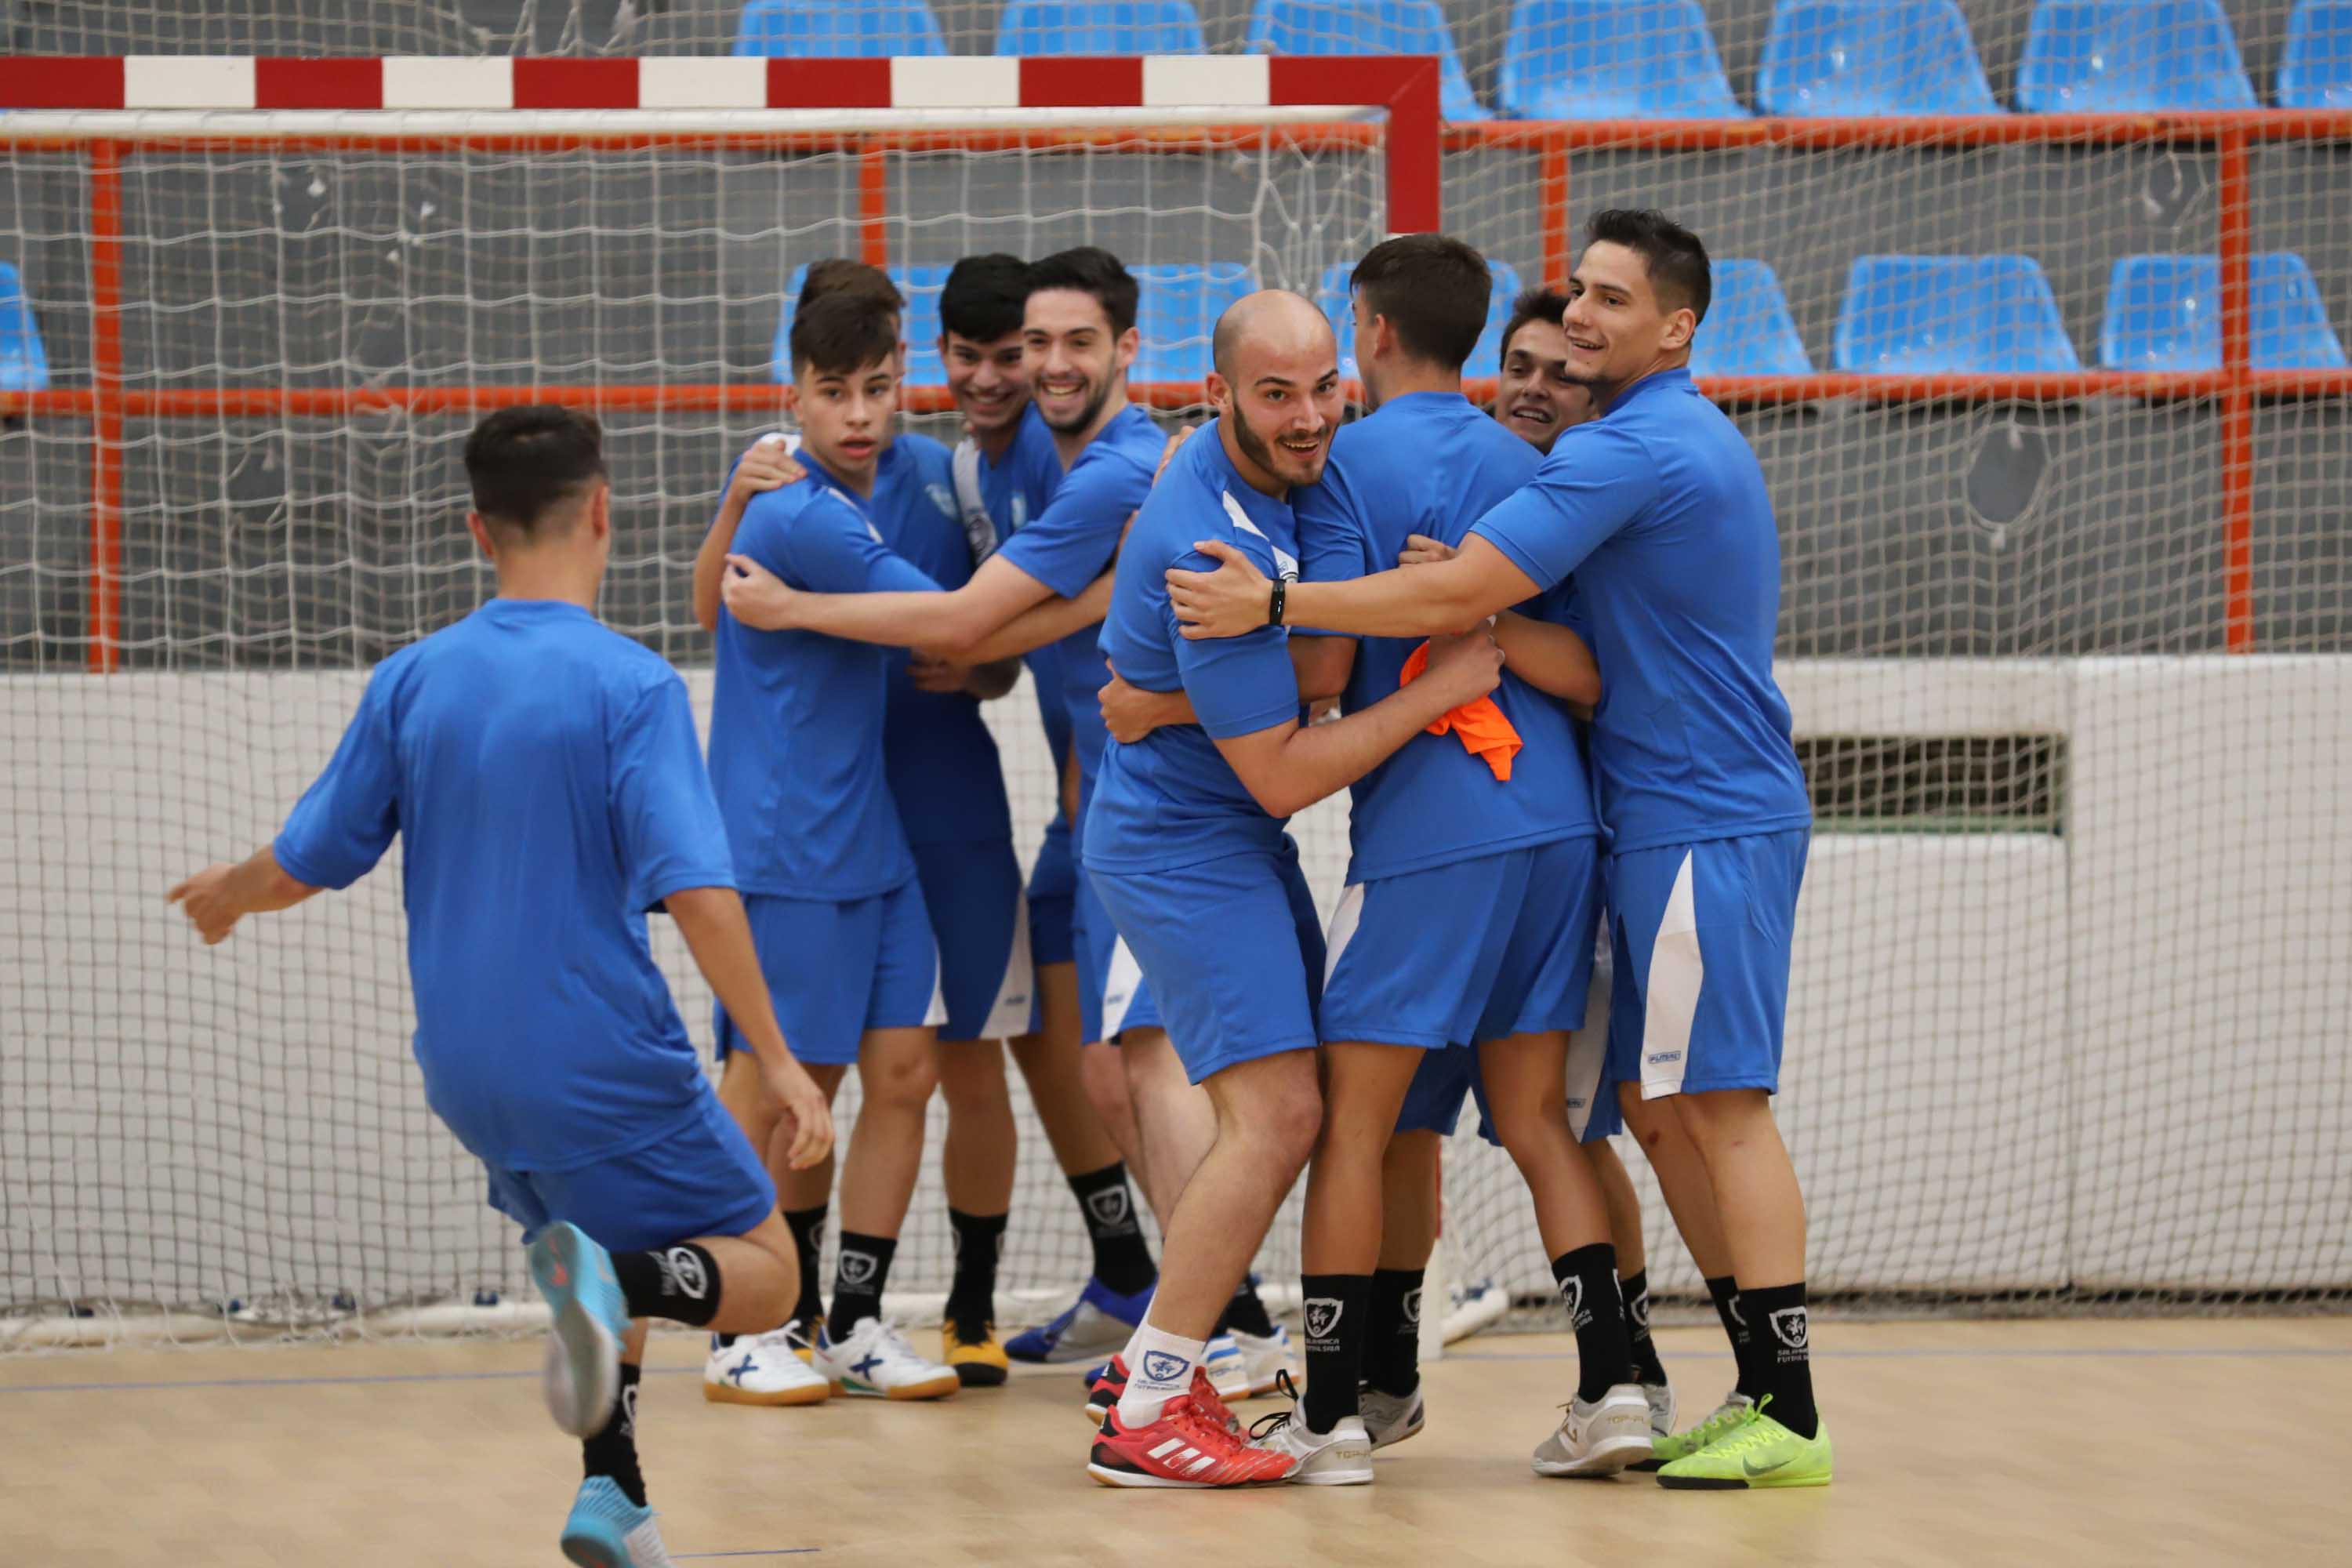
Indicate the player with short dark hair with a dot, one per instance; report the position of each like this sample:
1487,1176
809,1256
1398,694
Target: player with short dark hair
1534,396
1660,509
544,776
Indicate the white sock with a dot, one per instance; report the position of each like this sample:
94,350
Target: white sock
1160,1366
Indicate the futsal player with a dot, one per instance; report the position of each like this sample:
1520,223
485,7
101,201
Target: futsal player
1186,848
1661,510
544,774
1047,582
832,888
1003,473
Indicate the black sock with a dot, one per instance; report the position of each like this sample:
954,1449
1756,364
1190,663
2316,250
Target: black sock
680,1283
1778,1325
971,1295
1335,1323
1647,1367
1392,1331
1725,1293
614,1451
1122,1261
1245,1314
1587,1286
808,1235
859,1274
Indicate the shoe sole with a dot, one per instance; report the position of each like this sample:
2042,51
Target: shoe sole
590,1350
936,1388
1725,1484
1413,1431
728,1394
1342,1465
588,1552
1131,1480
981,1374
1612,1455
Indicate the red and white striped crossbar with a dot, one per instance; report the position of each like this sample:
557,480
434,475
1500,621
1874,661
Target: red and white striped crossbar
1406,86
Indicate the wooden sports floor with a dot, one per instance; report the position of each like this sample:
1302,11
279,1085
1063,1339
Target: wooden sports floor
2072,1443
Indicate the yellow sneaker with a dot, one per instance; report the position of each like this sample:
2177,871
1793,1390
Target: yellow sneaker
971,1348
1758,1453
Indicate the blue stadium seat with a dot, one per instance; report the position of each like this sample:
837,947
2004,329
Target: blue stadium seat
1100,27
1368,28
2164,313
1748,330
832,28
2315,71
1930,315
1613,59
1177,307
920,285
24,360
2119,56
1486,358
1870,57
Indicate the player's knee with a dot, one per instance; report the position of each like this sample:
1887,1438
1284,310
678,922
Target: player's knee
1284,1118
901,1082
972,1077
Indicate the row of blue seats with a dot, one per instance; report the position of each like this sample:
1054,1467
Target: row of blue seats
1901,315
1619,59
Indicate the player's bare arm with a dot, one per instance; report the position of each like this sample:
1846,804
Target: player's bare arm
711,920
1047,621
1291,766
1417,601
222,894
767,466
1550,658
950,624
1130,712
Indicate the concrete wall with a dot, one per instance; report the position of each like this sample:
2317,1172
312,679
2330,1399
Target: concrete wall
2110,1055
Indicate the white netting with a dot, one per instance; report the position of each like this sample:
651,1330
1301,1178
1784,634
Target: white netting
2075,950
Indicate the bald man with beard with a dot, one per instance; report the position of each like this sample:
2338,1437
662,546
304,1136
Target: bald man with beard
1185,845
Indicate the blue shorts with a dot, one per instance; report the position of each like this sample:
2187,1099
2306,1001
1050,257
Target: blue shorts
1702,939
702,1179
838,970
1433,1103
1477,949
1053,895
1233,950
1113,996
972,894
1592,1110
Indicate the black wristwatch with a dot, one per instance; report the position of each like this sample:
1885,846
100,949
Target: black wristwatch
1274,605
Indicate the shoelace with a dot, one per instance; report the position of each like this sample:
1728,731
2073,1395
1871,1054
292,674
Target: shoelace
1265,1427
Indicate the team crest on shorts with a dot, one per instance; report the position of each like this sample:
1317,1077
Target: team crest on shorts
856,1268
1322,1316
1790,1327
1163,1366
1110,1207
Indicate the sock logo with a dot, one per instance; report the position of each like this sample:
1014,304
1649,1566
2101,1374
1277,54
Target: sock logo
1164,1366
1790,1327
1322,1317
629,1410
1572,1292
1111,1208
856,1268
1637,1313
1411,1306
682,1274
1731,1305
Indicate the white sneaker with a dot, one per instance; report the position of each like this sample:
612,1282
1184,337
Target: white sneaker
1339,1457
877,1361
762,1369
1264,1360
1227,1370
1390,1417
1598,1439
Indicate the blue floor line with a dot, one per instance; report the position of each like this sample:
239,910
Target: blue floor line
769,1552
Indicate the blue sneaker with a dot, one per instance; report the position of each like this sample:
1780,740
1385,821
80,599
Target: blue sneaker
607,1530
589,1320
1100,1321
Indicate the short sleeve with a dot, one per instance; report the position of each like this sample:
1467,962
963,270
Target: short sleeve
830,548
1073,542
1333,544
1595,482
1238,686
346,819
665,819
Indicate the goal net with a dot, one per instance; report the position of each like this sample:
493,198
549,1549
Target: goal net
2066,644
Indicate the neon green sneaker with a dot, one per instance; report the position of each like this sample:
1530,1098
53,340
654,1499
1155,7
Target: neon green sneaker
1730,1416
1758,1453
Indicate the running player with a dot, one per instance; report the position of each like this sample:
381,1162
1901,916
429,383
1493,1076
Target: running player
1661,509
1048,583
832,894
544,775
1186,849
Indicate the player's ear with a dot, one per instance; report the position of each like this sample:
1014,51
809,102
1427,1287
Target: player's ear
600,511
793,398
481,532
1123,352
1680,326
1220,394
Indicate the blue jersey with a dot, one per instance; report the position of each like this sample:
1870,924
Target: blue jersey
937,751
1013,493
796,720
1430,462
1170,799
1071,544
544,775
1660,509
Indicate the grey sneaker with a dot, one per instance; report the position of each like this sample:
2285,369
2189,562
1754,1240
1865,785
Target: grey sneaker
1598,1439
1339,1457
1390,1417
1660,1397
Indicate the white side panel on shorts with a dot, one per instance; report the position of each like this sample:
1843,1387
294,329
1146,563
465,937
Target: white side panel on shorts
1588,1052
1344,922
936,1015
1120,987
1677,973
1008,1015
